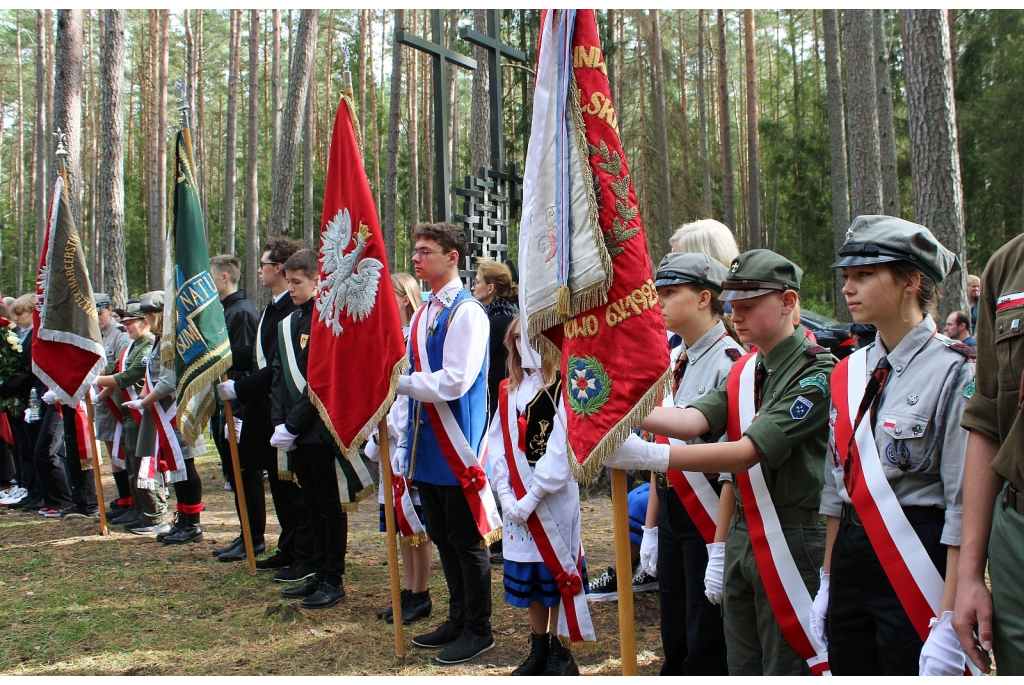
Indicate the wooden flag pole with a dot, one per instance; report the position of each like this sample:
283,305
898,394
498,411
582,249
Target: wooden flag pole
100,499
243,511
392,533
623,575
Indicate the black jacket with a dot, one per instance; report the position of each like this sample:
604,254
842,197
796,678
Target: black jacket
240,316
22,384
299,416
500,313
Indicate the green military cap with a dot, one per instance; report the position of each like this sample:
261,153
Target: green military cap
691,267
152,302
759,272
877,239
132,311
101,300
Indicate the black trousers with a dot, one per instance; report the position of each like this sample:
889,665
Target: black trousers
50,458
868,630
314,466
223,447
466,564
255,501
82,481
296,539
25,436
691,627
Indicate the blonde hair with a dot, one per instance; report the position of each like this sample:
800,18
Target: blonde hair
500,276
515,360
706,236
406,285
24,304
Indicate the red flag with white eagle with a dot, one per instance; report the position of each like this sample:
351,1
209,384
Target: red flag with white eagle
587,291
67,346
357,351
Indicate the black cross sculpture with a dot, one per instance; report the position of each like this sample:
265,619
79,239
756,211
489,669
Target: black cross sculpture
440,56
495,50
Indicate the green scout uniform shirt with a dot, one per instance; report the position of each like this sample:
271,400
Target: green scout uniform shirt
792,449
994,408
134,371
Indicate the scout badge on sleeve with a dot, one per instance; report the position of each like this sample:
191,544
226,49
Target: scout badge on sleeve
356,338
587,294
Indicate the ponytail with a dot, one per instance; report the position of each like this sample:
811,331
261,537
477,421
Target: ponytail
718,311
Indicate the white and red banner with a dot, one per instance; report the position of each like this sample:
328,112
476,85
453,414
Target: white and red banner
86,446
788,595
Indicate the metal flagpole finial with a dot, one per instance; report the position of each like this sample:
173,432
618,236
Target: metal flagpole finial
183,103
346,74
62,143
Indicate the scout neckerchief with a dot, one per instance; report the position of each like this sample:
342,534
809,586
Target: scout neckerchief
117,447
168,458
455,448
783,584
907,565
353,479
574,623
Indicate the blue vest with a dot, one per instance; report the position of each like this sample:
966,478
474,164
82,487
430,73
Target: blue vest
470,410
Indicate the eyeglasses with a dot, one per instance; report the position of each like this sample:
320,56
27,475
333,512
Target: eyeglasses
263,264
423,252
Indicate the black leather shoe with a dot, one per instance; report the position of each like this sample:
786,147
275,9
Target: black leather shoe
238,553
305,590
537,661
217,551
186,534
277,561
386,612
326,595
560,661
416,606
294,573
444,634
465,648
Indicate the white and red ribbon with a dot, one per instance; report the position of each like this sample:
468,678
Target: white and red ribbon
168,457
1009,301
86,446
783,584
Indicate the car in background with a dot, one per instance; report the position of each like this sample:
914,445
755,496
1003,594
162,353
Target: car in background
830,334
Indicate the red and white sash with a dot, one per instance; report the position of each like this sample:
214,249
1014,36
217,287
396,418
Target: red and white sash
455,448
168,457
787,594
410,529
85,444
574,623
907,565
117,446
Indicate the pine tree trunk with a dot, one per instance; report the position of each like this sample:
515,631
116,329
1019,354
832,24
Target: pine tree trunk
837,149
728,191
684,124
705,161
42,191
231,143
112,169
95,256
663,222
886,127
275,89
308,138
252,188
156,239
754,230
19,281
364,21
862,113
480,132
934,159
67,101
610,50
284,169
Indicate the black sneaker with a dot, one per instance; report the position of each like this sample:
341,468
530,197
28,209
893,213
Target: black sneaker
294,573
137,523
28,504
642,582
465,648
444,634
326,595
217,551
604,589
560,661
130,516
237,553
185,534
60,513
388,611
277,561
307,589
77,513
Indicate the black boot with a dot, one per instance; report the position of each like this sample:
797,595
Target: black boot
386,612
415,606
560,661
176,525
537,661
189,531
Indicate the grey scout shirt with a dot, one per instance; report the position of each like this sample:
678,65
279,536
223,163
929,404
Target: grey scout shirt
917,432
164,382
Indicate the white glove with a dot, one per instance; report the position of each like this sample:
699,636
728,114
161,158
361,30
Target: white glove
399,458
133,404
942,653
819,610
513,514
715,573
508,503
238,429
638,454
226,391
527,504
50,397
649,551
282,439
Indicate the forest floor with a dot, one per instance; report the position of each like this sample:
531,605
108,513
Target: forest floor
77,603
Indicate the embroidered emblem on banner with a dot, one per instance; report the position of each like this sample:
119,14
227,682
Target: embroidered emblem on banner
800,408
349,284
969,390
589,385
818,381
192,296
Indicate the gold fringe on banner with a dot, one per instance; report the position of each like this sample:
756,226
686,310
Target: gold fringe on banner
414,540
582,647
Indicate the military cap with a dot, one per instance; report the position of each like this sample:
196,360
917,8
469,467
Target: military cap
132,311
876,239
691,267
759,272
152,302
101,300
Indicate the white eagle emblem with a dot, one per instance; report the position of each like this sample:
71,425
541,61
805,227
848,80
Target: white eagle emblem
343,287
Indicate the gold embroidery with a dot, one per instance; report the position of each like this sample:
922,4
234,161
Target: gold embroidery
592,58
618,234
303,339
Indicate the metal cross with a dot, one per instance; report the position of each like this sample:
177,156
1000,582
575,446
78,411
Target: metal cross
495,50
440,56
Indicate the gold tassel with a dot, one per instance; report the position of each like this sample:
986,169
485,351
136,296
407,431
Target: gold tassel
583,647
491,537
563,309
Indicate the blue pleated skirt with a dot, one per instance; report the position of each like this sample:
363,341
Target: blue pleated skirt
531,581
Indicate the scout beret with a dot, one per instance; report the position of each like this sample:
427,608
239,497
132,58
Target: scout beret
691,267
152,302
759,272
131,312
101,300
876,239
